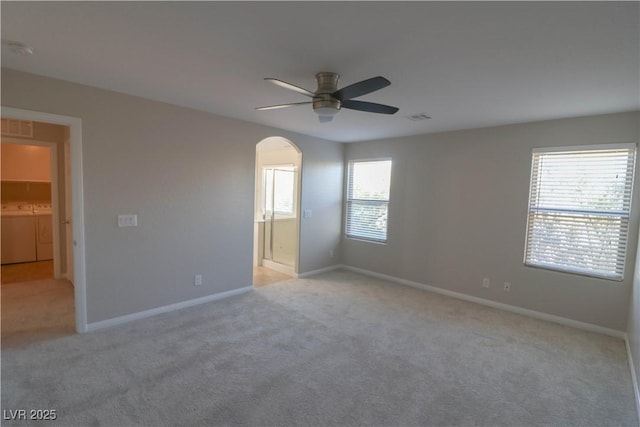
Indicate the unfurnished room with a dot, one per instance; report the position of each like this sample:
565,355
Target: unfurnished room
320,213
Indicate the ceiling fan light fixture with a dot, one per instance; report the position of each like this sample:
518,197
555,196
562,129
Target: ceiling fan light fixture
325,105
326,111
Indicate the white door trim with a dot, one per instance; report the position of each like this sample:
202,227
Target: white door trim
75,127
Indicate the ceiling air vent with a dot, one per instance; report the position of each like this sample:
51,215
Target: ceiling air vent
418,117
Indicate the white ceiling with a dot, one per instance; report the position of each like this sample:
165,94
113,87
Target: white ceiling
466,65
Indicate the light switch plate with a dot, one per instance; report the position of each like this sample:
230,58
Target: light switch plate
308,213
127,220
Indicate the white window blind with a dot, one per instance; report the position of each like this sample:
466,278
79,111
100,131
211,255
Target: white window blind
368,187
579,205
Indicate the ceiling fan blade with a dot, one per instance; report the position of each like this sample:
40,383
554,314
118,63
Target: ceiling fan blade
290,86
275,107
361,88
325,119
369,107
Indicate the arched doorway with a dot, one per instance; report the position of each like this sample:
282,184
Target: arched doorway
276,210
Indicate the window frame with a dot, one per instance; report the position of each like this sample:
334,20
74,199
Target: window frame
348,200
628,215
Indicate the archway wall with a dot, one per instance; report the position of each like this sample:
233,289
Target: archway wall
189,176
321,197
320,205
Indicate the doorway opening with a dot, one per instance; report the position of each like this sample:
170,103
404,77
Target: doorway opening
42,279
277,211
37,295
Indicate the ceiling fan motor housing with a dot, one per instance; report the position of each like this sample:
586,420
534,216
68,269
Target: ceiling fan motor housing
323,103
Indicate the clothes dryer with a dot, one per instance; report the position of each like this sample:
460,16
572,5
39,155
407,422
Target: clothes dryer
44,231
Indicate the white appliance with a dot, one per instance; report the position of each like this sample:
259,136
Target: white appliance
44,231
18,233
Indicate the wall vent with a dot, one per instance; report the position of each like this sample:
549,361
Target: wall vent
418,117
11,127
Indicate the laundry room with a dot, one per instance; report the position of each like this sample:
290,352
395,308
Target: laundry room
31,155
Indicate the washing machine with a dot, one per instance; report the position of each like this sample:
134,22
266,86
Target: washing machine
44,231
18,229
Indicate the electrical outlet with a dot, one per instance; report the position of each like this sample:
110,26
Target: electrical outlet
485,282
197,280
331,253
507,286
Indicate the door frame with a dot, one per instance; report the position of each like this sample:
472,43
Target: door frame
75,140
270,262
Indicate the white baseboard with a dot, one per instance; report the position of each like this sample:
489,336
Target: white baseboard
634,377
164,309
320,270
501,306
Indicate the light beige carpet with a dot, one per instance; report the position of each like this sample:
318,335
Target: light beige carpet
338,349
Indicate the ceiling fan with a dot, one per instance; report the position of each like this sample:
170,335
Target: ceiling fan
327,100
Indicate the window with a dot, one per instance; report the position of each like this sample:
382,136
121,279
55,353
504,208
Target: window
579,205
368,185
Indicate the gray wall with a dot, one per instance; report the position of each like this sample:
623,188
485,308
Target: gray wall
458,213
322,232
189,176
633,327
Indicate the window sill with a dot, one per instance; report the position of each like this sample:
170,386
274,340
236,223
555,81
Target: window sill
361,239
576,272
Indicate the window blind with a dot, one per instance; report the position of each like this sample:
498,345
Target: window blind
368,188
579,205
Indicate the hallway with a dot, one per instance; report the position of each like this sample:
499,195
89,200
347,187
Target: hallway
36,311
27,271
263,276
